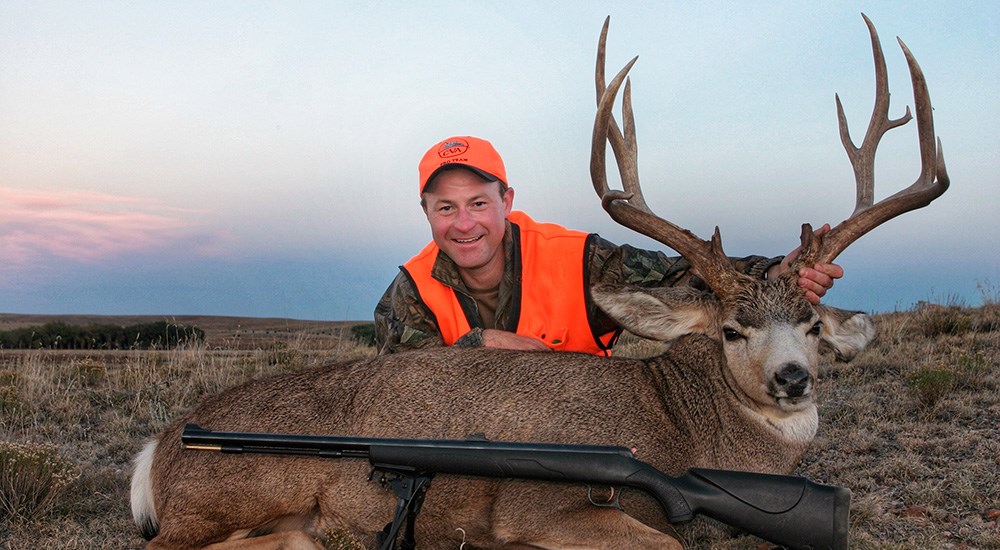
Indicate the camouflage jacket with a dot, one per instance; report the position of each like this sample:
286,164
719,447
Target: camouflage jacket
403,322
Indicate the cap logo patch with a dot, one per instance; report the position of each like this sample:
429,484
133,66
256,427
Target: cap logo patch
453,147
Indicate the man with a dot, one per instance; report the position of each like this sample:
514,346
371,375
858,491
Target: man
494,277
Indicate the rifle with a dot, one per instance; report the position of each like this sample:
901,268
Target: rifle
792,511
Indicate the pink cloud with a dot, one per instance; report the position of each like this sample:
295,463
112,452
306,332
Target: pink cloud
90,227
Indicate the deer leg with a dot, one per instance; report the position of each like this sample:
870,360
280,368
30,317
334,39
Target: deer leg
528,516
292,532
595,528
286,540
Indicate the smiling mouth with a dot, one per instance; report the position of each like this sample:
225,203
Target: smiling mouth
467,241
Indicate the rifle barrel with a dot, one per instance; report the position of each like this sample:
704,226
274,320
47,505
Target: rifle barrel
788,510
197,438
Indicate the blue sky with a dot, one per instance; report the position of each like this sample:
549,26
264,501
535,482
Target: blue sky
260,158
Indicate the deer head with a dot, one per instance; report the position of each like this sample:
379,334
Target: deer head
769,332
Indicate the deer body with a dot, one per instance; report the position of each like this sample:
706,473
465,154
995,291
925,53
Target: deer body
681,409
734,390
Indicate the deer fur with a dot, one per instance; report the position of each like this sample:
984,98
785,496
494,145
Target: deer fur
708,401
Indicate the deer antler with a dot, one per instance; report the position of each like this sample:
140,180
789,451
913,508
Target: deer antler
628,207
931,184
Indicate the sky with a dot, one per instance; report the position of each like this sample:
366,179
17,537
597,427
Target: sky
260,158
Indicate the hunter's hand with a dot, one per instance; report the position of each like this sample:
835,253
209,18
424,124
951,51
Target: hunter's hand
493,338
814,280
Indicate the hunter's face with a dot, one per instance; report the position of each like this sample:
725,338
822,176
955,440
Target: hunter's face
467,217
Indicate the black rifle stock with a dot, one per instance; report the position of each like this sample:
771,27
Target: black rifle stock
787,510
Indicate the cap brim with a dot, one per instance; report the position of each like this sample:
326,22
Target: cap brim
482,173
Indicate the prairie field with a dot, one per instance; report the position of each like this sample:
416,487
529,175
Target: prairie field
912,426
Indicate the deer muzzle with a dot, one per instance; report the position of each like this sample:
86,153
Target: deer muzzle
792,381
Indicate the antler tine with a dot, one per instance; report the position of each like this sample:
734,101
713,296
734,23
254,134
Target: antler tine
863,158
628,207
932,182
624,146
598,148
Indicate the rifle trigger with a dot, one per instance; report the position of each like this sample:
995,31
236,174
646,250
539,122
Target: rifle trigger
612,501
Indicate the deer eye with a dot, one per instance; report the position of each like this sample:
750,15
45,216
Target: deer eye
732,334
816,328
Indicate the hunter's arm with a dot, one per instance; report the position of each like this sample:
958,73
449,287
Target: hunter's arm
611,263
402,321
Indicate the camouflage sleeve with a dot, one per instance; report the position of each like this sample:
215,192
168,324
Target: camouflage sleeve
756,266
402,321
611,263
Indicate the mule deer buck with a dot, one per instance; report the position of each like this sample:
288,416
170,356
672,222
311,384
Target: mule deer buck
734,390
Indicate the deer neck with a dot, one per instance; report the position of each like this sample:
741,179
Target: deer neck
698,389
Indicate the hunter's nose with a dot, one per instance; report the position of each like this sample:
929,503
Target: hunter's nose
793,379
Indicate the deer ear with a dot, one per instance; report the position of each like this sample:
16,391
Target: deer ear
846,333
662,314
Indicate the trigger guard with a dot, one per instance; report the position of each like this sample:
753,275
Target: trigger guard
613,500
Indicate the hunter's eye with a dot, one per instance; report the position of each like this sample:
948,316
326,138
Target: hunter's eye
731,334
816,328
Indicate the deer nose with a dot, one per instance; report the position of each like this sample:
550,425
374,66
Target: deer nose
793,379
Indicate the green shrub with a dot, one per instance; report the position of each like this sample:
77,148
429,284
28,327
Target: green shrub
930,384
32,477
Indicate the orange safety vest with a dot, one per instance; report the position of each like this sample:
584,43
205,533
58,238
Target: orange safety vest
553,306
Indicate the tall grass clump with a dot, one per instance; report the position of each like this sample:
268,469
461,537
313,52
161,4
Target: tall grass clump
936,320
933,320
930,384
32,479
989,292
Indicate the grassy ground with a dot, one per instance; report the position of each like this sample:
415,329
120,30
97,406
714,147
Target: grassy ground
911,427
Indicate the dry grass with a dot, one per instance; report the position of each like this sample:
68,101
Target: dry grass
911,427
98,407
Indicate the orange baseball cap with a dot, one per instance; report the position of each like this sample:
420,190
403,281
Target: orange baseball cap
470,152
